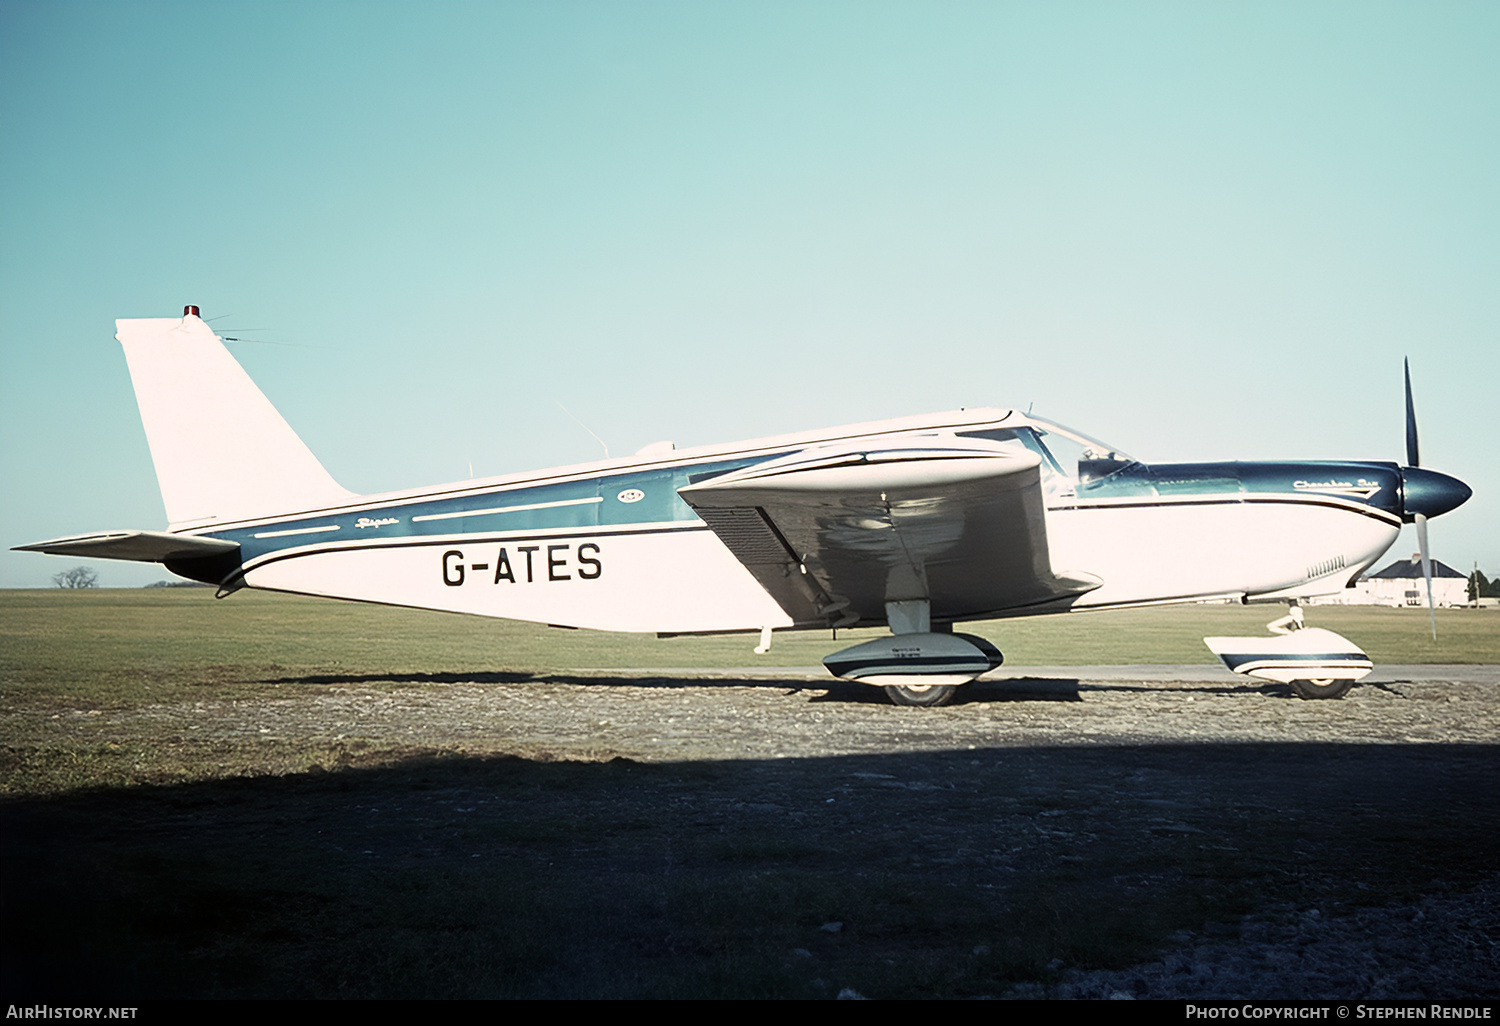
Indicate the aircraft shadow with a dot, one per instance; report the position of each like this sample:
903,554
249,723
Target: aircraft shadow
1011,689
951,873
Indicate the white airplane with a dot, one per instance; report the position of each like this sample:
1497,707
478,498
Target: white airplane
918,523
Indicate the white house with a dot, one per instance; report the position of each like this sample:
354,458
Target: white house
1401,584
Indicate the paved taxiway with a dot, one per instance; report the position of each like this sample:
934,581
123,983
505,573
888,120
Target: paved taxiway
1461,673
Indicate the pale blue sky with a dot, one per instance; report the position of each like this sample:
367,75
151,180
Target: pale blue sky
1196,230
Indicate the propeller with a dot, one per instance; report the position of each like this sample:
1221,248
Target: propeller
1413,459
1425,493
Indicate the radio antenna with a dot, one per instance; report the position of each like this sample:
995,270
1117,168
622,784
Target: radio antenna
581,424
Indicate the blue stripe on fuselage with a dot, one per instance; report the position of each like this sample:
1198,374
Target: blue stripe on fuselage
636,496
1377,485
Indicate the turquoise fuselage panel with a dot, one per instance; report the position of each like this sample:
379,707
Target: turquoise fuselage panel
614,501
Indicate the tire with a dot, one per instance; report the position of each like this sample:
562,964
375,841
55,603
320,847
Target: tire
928,696
1326,688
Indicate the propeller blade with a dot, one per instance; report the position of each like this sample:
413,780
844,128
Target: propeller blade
1412,458
1421,522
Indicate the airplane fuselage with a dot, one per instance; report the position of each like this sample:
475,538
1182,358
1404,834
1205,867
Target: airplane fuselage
613,546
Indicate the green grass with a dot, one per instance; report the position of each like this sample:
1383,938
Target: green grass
125,643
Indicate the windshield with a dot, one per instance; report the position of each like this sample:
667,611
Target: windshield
1080,459
1071,460
1066,442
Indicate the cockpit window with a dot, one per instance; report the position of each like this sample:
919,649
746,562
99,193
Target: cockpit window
1087,460
1071,460
1024,438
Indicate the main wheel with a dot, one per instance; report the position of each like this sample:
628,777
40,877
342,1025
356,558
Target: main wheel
1325,688
926,695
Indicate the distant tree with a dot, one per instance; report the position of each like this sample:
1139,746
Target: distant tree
1479,585
78,577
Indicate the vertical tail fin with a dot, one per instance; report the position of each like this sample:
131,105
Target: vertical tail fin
221,450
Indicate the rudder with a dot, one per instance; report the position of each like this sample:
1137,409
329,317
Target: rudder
221,450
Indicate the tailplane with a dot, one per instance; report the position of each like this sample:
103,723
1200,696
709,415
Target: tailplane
221,450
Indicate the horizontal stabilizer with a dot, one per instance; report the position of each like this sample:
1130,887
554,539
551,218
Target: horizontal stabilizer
141,546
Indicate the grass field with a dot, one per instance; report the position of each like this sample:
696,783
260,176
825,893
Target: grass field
110,646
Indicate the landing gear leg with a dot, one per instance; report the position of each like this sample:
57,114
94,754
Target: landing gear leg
1292,621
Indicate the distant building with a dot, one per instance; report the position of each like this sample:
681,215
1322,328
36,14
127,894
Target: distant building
1401,584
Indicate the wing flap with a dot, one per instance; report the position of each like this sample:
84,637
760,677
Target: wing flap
749,534
835,534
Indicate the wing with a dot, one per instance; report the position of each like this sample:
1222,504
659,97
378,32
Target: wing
143,546
833,534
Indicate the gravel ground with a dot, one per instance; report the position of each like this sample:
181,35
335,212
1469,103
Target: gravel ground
728,715
1373,821
1440,947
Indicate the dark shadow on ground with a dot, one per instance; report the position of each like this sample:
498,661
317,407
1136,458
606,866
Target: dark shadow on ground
1012,689
356,679
954,873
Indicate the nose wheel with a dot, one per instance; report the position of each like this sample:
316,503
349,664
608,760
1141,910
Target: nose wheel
1316,663
1324,687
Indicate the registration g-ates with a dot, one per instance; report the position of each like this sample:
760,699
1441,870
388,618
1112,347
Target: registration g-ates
531,563
919,524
